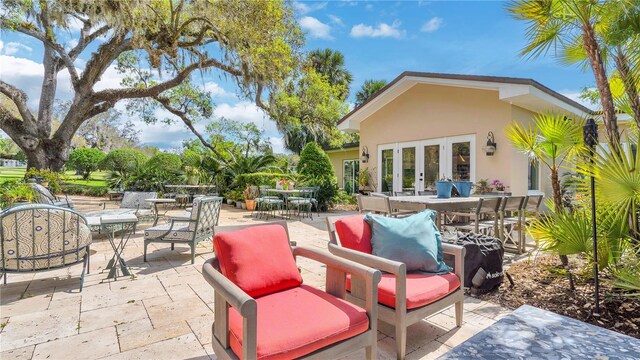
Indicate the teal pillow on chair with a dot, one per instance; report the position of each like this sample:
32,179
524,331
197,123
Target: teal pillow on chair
413,240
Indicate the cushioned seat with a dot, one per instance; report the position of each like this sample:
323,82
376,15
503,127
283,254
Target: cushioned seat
182,232
422,289
299,321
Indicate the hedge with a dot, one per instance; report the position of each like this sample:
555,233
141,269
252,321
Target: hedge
263,178
87,190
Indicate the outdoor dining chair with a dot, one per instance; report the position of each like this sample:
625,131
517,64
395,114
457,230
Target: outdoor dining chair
302,204
483,219
532,207
403,193
426,192
133,202
39,237
403,298
379,205
44,196
263,310
187,230
511,223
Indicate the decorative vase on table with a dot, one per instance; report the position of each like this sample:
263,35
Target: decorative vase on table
443,189
464,188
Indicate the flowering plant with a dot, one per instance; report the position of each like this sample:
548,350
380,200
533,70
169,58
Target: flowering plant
498,185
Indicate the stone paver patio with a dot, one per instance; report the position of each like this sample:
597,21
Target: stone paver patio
164,311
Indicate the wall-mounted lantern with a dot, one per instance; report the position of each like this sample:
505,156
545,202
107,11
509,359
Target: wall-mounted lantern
365,155
490,149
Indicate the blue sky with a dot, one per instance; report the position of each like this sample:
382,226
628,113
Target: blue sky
379,39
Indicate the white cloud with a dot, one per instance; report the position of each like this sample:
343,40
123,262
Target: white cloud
369,7
382,30
336,20
432,25
111,79
1,45
316,28
216,90
27,76
305,8
11,48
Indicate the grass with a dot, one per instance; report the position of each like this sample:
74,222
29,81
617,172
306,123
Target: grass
97,179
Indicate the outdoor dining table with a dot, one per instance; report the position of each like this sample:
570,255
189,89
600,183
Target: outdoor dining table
286,194
432,202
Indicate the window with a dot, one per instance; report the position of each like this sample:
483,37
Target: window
350,175
534,176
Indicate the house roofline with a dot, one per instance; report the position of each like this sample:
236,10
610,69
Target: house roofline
484,78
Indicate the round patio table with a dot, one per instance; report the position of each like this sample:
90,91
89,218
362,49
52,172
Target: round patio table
286,194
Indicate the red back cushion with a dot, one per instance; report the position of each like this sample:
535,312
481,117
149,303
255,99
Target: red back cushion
354,233
258,259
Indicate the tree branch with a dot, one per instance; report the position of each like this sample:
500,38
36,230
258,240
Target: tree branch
19,98
86,40
166,103
153,91
59,49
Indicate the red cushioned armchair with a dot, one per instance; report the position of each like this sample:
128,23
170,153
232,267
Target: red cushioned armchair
264,311
404,299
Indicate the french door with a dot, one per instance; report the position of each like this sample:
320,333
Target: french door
417,165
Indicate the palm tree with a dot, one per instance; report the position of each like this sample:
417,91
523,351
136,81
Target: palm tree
250,164
567,25
330,63
296,136
369,88
552,140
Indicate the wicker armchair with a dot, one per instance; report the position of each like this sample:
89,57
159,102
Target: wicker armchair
43,237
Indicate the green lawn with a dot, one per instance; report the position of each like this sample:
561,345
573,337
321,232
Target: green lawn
97,178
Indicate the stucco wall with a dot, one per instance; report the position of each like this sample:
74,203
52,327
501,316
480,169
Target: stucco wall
431,111
337,156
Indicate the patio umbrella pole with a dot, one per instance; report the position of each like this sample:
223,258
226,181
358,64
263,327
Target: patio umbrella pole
590,133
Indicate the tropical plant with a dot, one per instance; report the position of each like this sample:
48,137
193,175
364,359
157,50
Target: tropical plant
330,63
574,30
15,191
316,170
368,89
85,160
552,140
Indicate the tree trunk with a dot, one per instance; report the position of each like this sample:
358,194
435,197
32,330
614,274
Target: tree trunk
599,72
557,203
49,154
622,64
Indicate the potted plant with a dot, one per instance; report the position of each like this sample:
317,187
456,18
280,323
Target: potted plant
364,179
250,195
443,188
498,186
482,186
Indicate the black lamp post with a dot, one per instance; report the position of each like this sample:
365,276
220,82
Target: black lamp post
590,134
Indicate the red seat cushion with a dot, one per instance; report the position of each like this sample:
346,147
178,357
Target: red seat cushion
422,289
354,233
258,259
299,321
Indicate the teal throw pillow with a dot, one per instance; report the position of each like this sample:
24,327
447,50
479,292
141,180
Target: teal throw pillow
414,240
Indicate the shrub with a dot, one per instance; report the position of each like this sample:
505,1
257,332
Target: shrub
52,177
86,190
124,161
316,170
164,162
149,178
263,178
85,160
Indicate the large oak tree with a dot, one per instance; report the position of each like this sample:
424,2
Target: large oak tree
158,44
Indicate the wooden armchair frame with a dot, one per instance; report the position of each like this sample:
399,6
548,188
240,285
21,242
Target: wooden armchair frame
228,294
399,316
